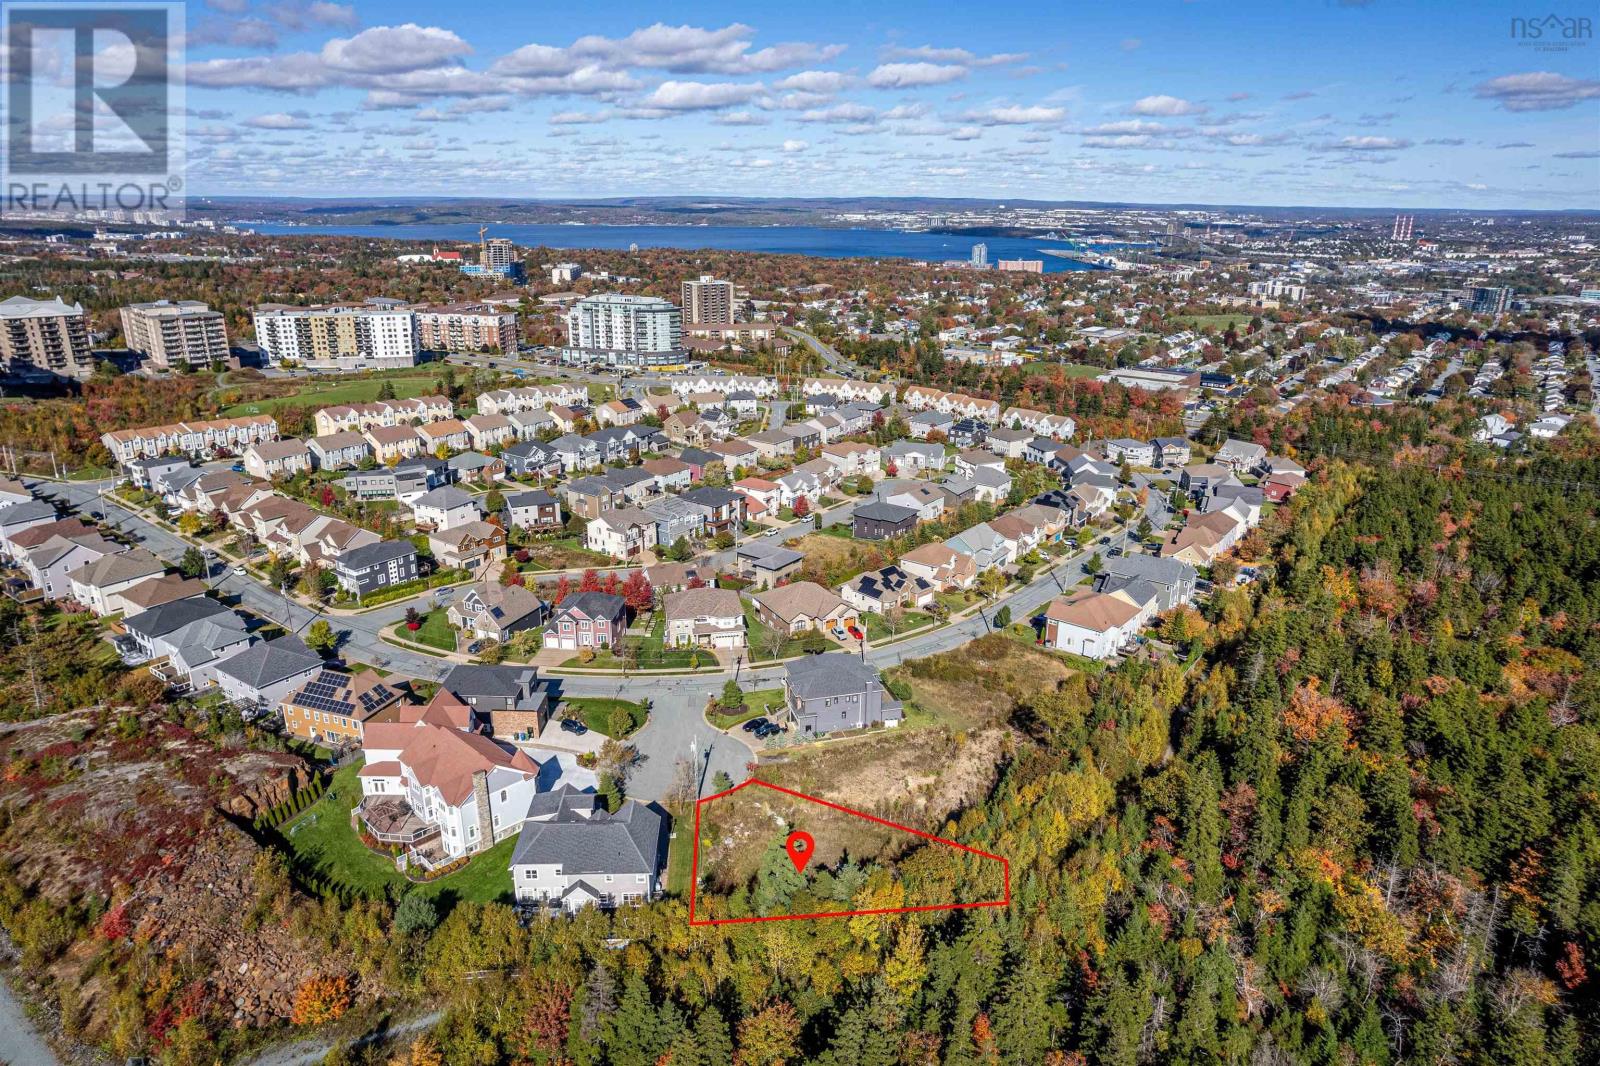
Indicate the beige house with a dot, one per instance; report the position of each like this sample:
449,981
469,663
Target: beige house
940,565
705,617
803,606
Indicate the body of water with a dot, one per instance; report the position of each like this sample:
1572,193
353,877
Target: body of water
794,240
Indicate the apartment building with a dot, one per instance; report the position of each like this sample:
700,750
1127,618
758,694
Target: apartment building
625,330
44,338
175,335
707,299
374,336
467,327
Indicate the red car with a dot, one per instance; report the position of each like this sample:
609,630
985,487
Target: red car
856,633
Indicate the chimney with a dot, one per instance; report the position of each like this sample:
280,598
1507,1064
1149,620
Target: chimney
480,794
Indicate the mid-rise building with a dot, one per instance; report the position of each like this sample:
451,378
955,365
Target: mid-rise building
1021,266
467,328
625,330
497,257
339,337
707,300
44,338
565,273
185,333
1490,300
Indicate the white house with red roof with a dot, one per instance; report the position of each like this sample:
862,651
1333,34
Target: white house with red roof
441,788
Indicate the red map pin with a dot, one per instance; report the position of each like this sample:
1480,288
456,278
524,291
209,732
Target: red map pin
799,846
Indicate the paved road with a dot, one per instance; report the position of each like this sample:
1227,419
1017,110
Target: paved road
310,1052
20,1042
836,362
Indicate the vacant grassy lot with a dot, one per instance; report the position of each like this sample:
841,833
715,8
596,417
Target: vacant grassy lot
327,393
321,842
832,560
1072,370
980,683
566,553
1218,322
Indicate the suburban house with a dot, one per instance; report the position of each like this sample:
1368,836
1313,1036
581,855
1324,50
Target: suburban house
485,431
1132,452
802,606
472,546
675,577
337,451
624,412
670,475
404,481
444,792
1203,538
187,639
983,545
366,569
1280,487
676,518
48,565
535,509
1172,580
880,521
969,462
277,458
265,673
393,443
489,610
928,501
445,507
909,458
940,565
765,564
1240,456
476,468
835,692
1093,624
96,583
335,706
622,533
531,459
586,620
1172,451
507,699
153,592
704,617
726,510
882,591
1008,443
763,496
451,434
21,516
571,854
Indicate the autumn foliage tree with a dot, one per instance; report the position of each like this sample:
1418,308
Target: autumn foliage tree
321,999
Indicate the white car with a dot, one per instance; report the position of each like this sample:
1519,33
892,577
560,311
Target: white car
239,569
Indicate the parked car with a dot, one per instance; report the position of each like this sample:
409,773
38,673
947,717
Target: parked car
756,723
238,568
475,647
573,726
237,468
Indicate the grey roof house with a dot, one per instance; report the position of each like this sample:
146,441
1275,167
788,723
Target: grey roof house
835,692
571,854
264,673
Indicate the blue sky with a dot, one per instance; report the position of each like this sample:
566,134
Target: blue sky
1320,102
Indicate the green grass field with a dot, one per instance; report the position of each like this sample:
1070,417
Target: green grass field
762,701
1218,322
436,632
327,393
321,842
596,712
1072,370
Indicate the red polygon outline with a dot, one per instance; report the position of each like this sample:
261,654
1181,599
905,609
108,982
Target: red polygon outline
694,872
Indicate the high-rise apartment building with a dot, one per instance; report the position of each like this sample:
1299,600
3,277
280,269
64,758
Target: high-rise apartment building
1402,227
41,338
339,337
170,335
625,331
1487,300
980,255
708,300
467,328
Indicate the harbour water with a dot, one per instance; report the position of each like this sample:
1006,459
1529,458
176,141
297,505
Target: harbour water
795,240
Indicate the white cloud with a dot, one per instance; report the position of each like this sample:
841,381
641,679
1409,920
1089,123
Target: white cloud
692,49
579,118
953,55
1537,91
1126,126
913,75
699,96
840,113
394,49
279,121
1165,106
815,81
1365,144
796,146
1013,115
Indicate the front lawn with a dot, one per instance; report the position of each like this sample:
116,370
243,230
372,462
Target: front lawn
878,627
436,631
322,845
764,644
763,701
596,713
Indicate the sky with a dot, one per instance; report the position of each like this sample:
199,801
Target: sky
1297,102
